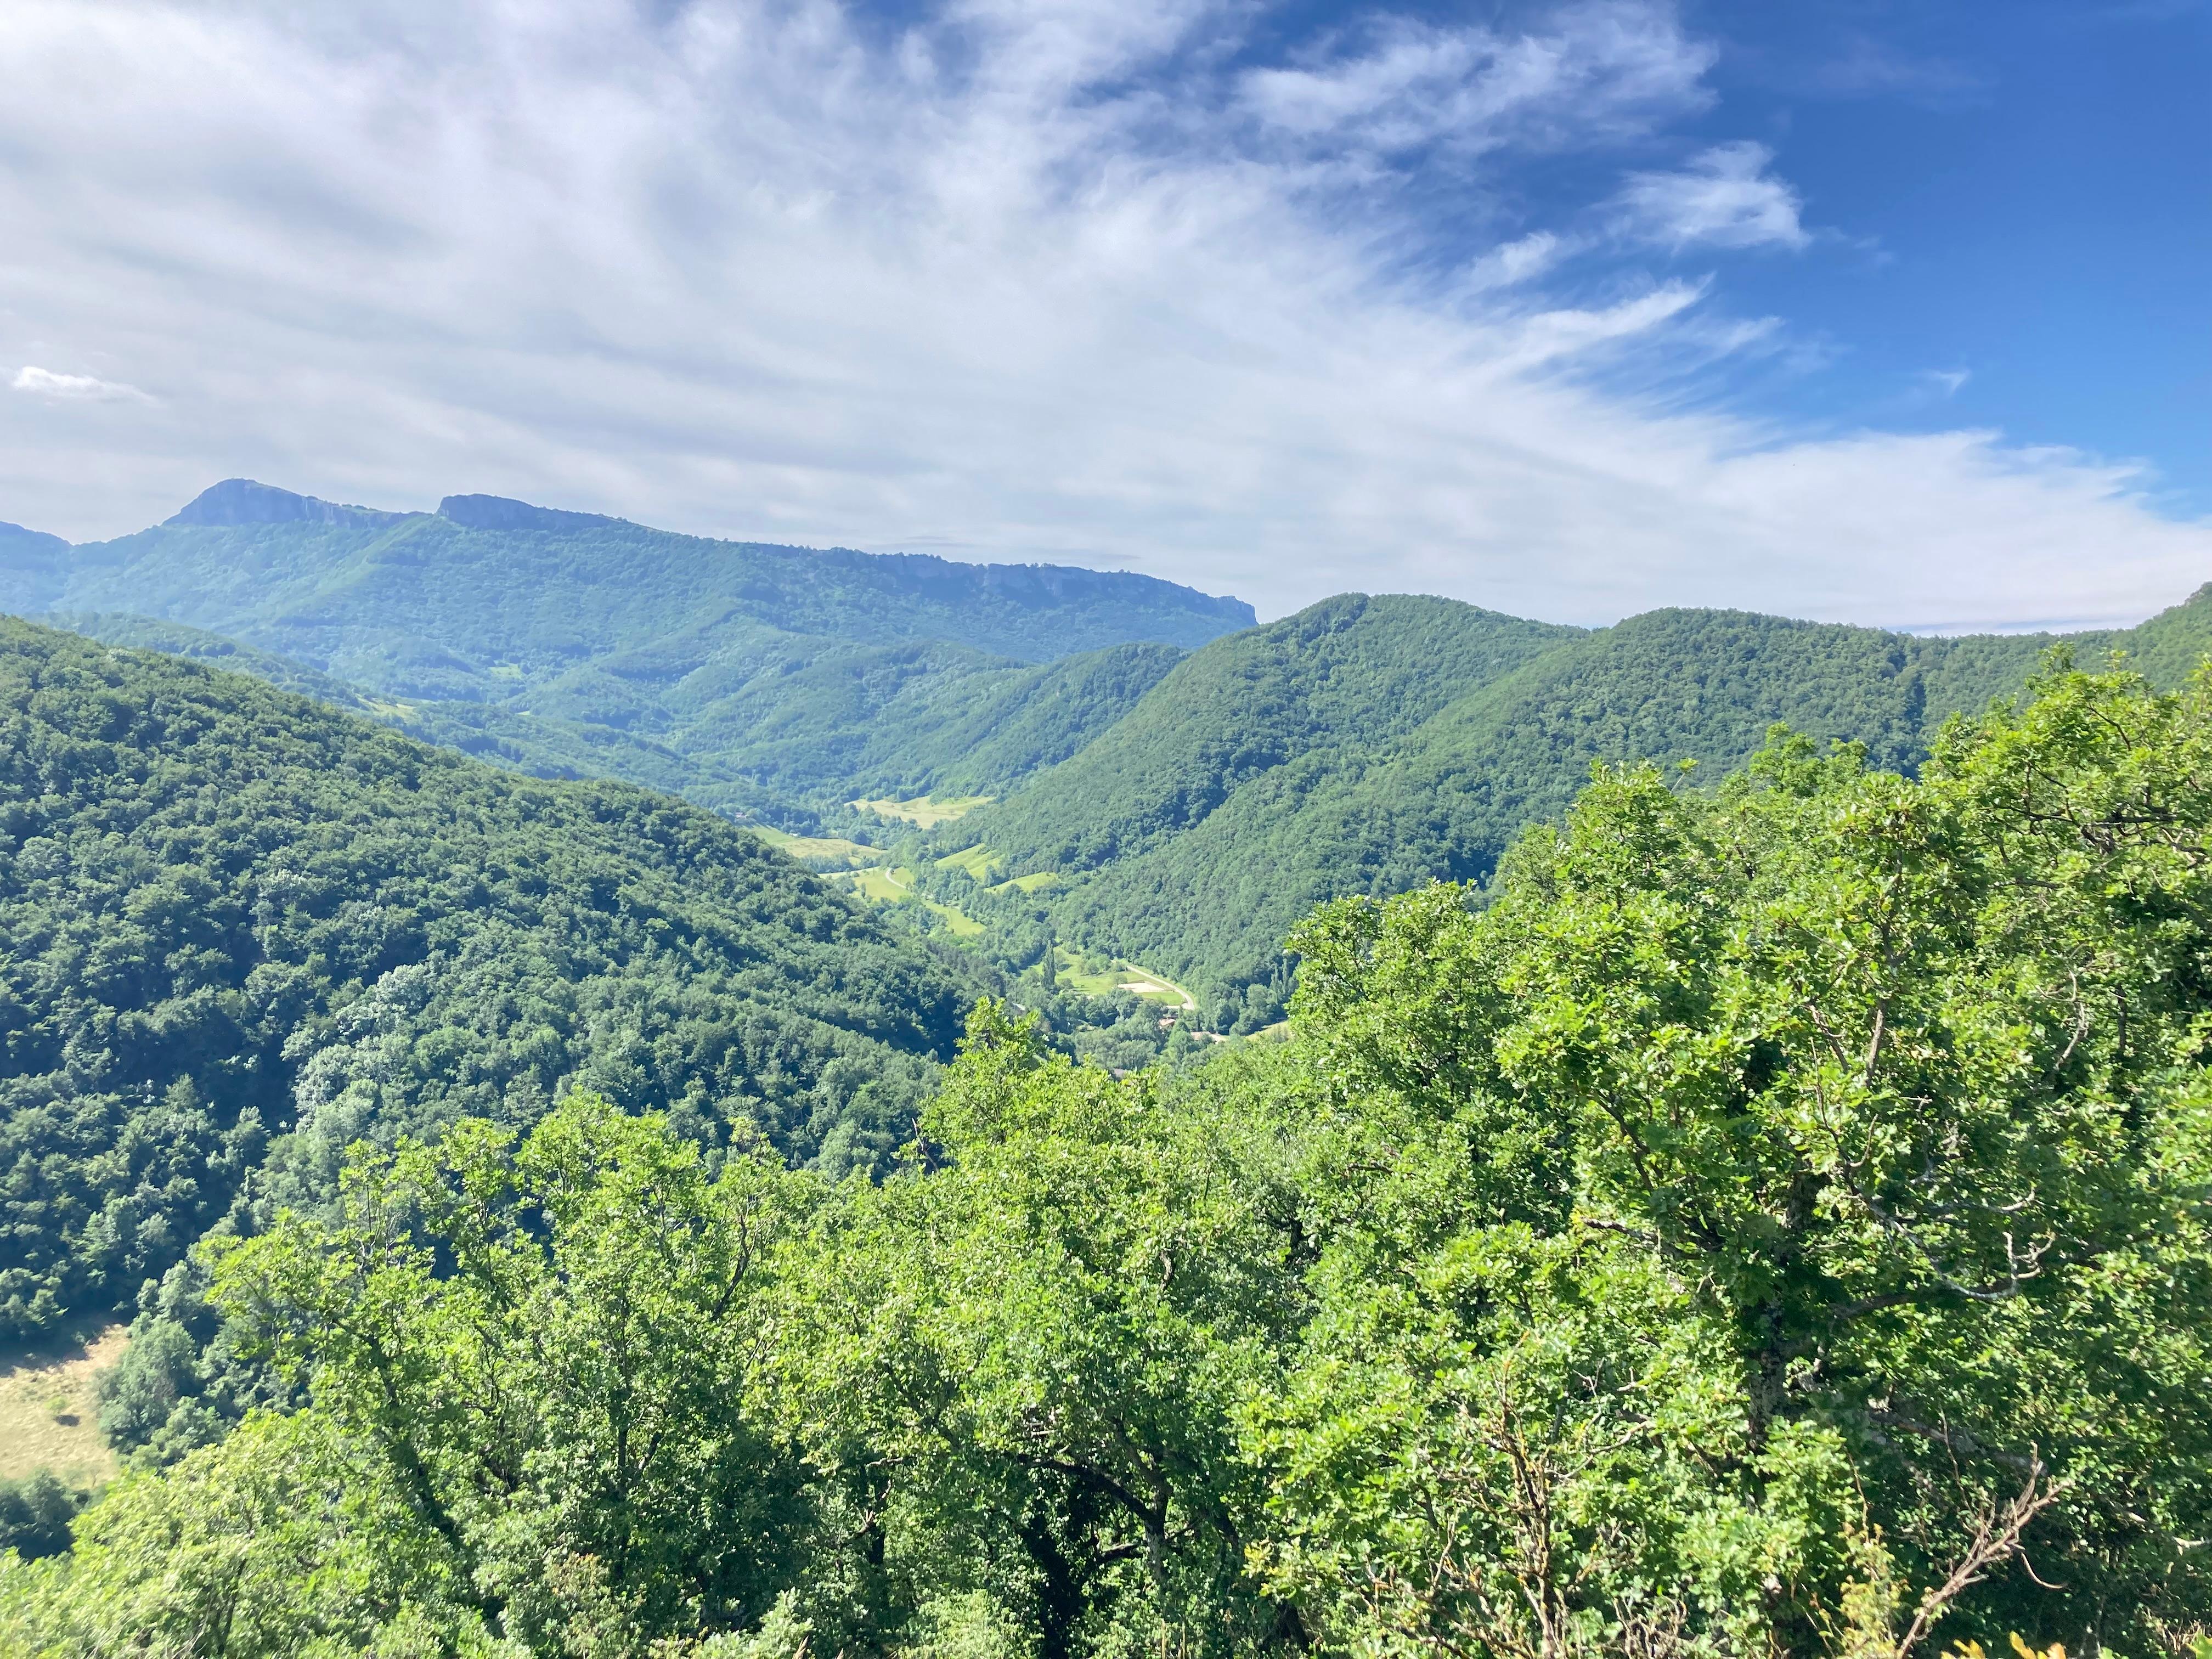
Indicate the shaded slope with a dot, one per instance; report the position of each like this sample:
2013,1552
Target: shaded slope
33,567
912,719
533,745
135,633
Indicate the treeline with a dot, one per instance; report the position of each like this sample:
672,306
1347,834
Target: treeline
243,930
1771,1219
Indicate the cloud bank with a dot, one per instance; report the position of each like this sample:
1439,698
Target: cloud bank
1129,283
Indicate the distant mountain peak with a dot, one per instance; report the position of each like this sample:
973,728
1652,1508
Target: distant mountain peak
499,512
243,501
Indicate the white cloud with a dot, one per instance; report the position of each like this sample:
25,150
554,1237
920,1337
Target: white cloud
75,388
1036,279
1723,198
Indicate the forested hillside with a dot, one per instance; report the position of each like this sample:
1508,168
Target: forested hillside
751,676
242,927
1367,747
1769,1220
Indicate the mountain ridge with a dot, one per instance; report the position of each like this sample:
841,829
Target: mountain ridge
748,676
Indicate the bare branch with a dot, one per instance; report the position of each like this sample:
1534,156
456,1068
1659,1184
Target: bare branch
1995,1542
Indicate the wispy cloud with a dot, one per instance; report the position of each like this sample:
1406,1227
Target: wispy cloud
1835,58
1725,198
1587,74
75,388
1522,260
1104,281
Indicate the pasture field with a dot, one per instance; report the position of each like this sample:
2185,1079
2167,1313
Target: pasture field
878,881
979,862
924,811
964,925
1036,882
882,884
1124,976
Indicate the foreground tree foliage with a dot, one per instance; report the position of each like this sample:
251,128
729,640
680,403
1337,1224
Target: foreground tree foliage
1027,1362
1778,1197
1769,1220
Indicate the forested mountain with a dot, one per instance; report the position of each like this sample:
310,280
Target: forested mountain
1367,747
243,927
1347,674
746,675
486,595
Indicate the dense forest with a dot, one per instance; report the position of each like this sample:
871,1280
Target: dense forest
1770,1217
244,929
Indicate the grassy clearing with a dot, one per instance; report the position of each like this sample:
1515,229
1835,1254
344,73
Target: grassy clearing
979,862
1124,976
48,1416
878,881
964,925
830,848
885,885
923,811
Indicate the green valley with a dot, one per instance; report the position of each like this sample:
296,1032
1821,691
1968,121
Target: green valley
1021,753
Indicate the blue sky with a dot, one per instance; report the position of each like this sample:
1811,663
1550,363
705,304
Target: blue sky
1891,313
2023,193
